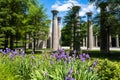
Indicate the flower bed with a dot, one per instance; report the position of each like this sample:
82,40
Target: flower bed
16,65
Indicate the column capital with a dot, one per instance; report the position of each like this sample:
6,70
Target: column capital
103,5
89,13
76,7
54,11
59,19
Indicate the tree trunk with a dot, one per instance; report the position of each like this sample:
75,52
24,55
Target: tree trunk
104,48
34,43
11,41
6,41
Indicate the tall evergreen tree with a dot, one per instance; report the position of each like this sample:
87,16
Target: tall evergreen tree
21,17
105,21
72,21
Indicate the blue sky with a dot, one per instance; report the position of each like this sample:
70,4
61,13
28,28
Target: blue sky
62,6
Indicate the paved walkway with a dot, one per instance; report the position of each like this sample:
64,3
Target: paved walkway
98,48
94,48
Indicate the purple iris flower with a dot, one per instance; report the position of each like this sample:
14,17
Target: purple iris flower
74,51
69,78
15,52
1,50
56,56
84,54
70,71
11,56
95,63
32,52
82,59
80,56
87,56
22,52
61,51
7,50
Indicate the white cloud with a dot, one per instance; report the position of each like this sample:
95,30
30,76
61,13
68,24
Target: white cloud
98,10
87,8
66,5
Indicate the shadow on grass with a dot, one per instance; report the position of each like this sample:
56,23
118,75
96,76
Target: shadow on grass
40,51
112,55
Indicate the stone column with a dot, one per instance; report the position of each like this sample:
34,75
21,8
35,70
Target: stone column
27,43
117,41
96,40
86,41
59,31
83,42
50,40
90,31
55,39
110,39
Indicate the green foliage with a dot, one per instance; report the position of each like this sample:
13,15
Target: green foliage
108,70
43,67
19,18
66,36
1,40
15,68
71,32
18,66
6,69
83,29
58,70
111,14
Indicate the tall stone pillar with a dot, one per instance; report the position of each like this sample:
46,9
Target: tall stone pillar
86,40
50,40
117,41
96,41
59,31
90,31
110,40
27,44
55,38
83,42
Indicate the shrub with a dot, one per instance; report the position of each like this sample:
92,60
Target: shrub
108,70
